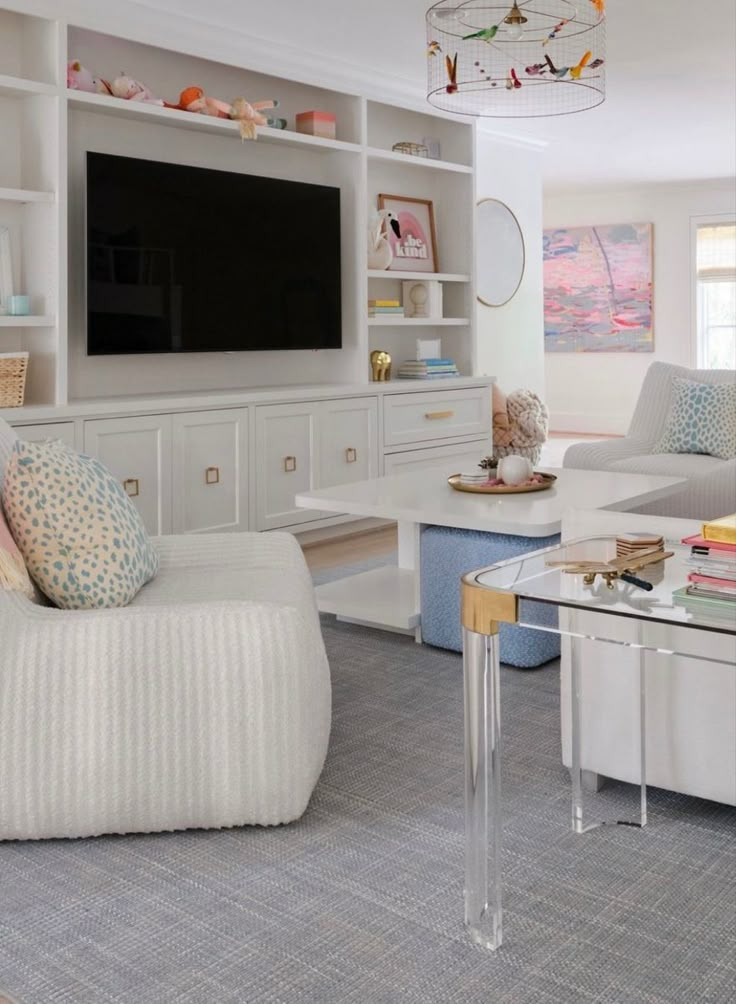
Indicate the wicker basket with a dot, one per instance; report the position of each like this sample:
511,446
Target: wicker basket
13,367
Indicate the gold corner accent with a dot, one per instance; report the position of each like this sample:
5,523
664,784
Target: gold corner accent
483,609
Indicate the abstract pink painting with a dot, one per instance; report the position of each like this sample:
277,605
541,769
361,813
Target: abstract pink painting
598,289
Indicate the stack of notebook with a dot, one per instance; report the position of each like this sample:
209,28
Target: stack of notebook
426,369
712,579
385,308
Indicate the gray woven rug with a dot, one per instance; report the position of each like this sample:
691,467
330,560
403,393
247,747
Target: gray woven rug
361,901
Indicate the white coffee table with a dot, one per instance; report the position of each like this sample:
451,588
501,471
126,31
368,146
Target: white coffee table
388,597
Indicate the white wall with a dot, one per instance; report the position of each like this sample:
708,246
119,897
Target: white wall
510,338
596,392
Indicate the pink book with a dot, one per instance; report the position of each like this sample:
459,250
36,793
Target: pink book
712,545
711,580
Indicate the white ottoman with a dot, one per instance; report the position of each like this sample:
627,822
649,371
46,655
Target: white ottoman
205,703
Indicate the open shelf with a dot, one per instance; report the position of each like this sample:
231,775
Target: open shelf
416,322
377,273
24,195
26,321
374,153
14,87
175,118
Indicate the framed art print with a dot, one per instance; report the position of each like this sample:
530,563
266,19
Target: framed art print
415,246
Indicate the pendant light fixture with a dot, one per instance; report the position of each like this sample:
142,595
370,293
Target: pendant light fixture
533,58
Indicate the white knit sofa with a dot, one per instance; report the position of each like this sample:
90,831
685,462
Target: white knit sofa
205,703
711,488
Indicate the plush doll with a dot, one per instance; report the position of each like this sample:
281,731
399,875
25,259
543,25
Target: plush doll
133,90
79,78
193,99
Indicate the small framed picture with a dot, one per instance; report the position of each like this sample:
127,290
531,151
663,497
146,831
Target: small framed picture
6,270
414,241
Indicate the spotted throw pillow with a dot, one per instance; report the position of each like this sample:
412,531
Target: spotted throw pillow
83,541
702,419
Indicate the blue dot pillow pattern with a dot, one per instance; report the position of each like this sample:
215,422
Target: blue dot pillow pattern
702,419
82,539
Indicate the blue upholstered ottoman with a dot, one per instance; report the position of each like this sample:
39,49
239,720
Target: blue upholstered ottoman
446,555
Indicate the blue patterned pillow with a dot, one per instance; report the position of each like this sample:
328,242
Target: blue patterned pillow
702,419
82,539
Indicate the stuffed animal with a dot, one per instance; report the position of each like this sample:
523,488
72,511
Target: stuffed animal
193,99
528,419
79,78
133,90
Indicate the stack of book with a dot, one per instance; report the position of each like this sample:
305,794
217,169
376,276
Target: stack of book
385,308
427,369
712,581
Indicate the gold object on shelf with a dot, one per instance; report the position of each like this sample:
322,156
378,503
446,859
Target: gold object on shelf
413,149
380,365
351,455
212,476
439,414
549,479
289,464
132,487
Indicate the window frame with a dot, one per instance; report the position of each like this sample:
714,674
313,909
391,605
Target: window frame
711,219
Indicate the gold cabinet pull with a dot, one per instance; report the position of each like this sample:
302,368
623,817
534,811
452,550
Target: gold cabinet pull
439,414
289,464
132,487
351,455
212,476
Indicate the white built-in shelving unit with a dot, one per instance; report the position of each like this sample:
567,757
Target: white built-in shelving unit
46,129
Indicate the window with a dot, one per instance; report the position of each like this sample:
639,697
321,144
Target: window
715,265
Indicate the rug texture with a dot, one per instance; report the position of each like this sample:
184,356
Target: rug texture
361,901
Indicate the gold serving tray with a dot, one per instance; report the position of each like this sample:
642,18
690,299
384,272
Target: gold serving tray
549,479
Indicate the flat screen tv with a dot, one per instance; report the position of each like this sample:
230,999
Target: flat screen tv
188,259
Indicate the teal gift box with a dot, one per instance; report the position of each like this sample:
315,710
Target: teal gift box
19,305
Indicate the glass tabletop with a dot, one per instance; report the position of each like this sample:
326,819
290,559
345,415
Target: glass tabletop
536,577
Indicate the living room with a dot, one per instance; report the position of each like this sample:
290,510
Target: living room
238,704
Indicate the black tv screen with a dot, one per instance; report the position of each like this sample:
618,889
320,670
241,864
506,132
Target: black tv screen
188,259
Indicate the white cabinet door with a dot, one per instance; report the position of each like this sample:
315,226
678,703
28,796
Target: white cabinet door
287,462
348,441
51,430
138,452
210,472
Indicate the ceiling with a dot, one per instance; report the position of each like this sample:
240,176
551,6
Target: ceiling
670,108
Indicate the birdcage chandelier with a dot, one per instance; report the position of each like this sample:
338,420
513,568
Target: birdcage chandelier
530,58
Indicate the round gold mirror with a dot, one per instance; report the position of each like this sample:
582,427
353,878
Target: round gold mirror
500,252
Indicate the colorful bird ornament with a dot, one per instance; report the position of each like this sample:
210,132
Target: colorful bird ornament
574,71
451,67
484,35
555,31
434,48
536,69
600,5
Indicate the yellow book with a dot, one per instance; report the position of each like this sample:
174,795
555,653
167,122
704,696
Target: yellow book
722,530
384,303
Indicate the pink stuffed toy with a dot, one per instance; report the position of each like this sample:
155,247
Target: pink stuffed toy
79,78
133,90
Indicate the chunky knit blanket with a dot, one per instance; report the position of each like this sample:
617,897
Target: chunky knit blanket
528,426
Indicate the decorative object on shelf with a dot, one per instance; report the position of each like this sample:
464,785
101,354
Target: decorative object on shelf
428,369
248,115
422,298
411,149
598,288
429,348
133,90
315,123
79,78
19,305
379,308
13,369
545,57
528,419
414,247
380,253
541,482
6,270
380,365
434,148
500,252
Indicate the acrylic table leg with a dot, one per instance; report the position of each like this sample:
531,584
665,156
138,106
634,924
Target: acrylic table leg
576,772
643,737
482,789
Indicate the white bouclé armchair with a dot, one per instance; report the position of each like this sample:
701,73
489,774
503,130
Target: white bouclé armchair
205,703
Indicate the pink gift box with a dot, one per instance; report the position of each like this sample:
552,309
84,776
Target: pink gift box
316,124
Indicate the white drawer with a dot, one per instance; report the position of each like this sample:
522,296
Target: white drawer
447,459
434,416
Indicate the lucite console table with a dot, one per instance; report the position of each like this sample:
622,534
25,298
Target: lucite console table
517,592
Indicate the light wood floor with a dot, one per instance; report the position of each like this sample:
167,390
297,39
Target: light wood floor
351,548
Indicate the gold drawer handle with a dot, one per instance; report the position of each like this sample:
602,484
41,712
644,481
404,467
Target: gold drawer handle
132,487
289,464
351,455
439,414
212,476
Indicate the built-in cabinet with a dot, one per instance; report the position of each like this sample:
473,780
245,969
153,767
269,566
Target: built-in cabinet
204,468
